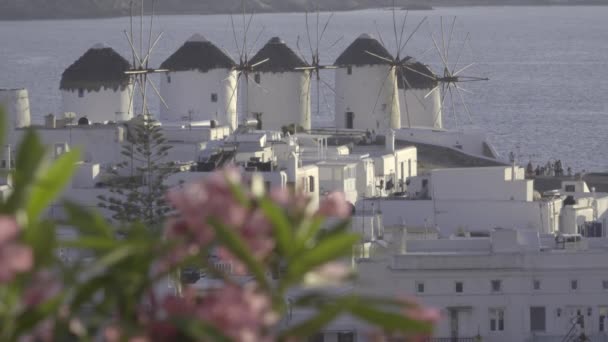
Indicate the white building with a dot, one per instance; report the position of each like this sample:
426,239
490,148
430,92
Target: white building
96,86
366,87
471,200
278,95
200,86
419,107
510,286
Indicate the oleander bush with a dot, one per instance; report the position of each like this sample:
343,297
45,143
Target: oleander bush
133,285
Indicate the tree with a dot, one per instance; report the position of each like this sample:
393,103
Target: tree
137,184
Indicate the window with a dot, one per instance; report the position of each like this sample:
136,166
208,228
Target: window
80,92
536,284
214,97
496,285
570,188
459,287
168,78
349,70
257,78
603,311
497,319
419,287
580,318
573,284
311,184
605,284
537,318
346,337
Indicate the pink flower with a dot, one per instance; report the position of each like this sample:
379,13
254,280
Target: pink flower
14,257
44,287
213,199
242,313
335,205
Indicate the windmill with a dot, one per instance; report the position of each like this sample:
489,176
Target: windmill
452,76
141,69
244,67
397,65
314,62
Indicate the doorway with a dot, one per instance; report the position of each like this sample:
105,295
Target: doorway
350,120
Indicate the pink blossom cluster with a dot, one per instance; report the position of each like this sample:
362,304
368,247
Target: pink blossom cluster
241,313
214,199
15,257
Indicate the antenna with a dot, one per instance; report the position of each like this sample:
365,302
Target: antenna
140,68
397,65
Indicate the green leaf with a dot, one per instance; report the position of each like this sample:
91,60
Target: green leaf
239,249
28,319
389,321
50,183
86,221
3,129
92,243
42,238
280,225
328,249
322,318
199,330
30,154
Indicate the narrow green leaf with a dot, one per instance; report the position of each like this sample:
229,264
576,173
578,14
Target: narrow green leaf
29,160
328,249
239,249
50,183
280,225
28,319
199,330
3,129
92,243
322,318
86,221
389,321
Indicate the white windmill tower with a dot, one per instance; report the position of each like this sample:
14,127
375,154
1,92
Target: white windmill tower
278,96
366,80
96,87
200,85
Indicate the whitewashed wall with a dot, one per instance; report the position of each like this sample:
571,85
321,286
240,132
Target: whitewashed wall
282,98
99,106
367,87
418,111
189,95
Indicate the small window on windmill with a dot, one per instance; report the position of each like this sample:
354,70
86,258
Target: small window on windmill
384,106
168,78
257,78
349,70
214,97
80,92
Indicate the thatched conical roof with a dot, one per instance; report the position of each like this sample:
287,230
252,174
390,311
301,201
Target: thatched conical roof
414,78
100,67
356,55
281,58
198,53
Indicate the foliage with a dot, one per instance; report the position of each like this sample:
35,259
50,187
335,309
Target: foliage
137,183
120,290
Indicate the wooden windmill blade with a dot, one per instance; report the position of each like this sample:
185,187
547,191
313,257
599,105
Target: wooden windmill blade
453,72
140,69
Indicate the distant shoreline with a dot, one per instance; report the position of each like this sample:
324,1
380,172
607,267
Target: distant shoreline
463,3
